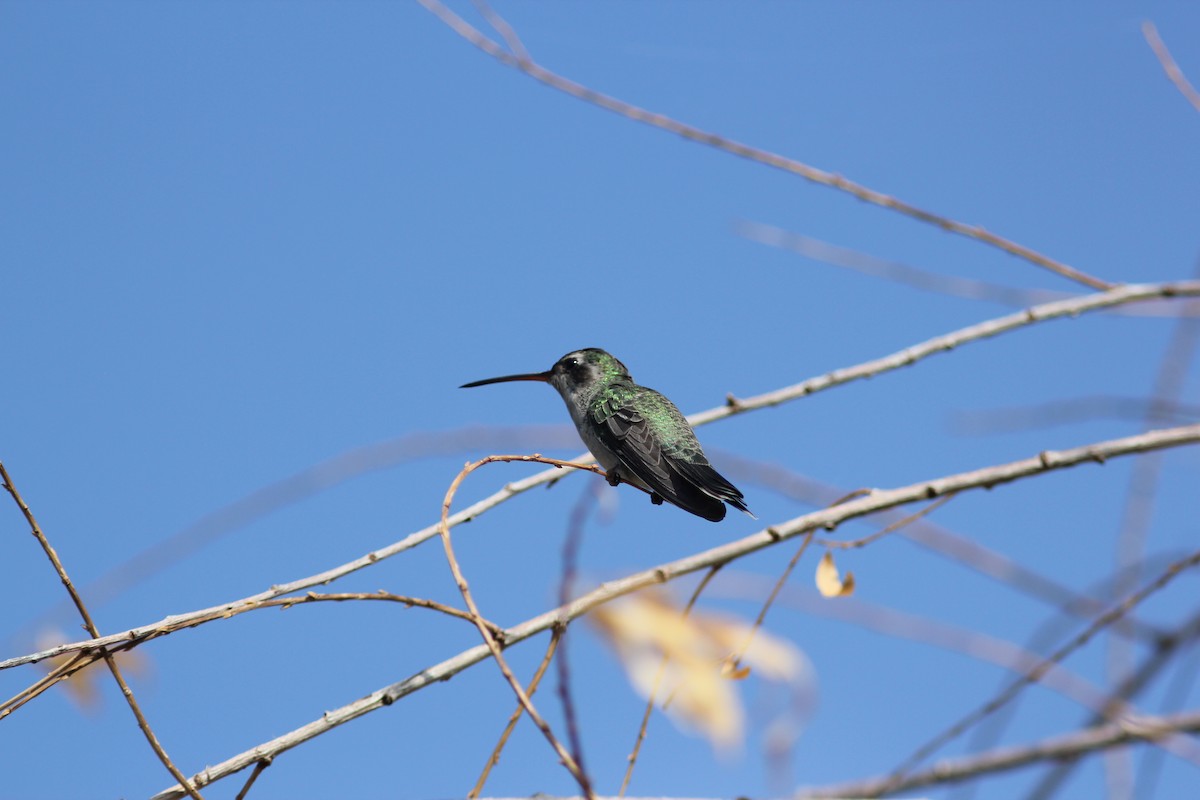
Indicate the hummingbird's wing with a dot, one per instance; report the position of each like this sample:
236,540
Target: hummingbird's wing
714,483
655,444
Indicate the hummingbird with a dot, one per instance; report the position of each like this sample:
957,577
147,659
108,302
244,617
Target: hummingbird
638,436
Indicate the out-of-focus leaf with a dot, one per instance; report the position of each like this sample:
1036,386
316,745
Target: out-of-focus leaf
699,676
82,688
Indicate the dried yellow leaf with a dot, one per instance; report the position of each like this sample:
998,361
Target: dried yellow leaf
829,582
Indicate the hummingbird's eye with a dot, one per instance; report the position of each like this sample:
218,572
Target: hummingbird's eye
572,363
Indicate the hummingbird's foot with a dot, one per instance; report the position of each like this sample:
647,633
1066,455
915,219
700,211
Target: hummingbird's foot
656,499
613,477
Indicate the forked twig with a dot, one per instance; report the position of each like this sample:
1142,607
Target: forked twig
126,692
494,758
490,640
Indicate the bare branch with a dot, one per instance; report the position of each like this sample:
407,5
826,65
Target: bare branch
940,344
809,173
828,518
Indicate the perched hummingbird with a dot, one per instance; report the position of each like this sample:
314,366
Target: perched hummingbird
636,434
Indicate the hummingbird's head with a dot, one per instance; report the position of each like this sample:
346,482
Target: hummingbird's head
585,368
576,375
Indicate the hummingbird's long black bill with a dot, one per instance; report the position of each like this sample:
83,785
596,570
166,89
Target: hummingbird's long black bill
541,377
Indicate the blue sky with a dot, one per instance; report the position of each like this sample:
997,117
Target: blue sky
240,239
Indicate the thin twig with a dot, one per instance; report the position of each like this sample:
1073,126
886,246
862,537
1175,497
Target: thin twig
809,173
827,518
1168,64
490,640
381,595
736,658
143,724
891,528
258,770
494,758
570,557
82,661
